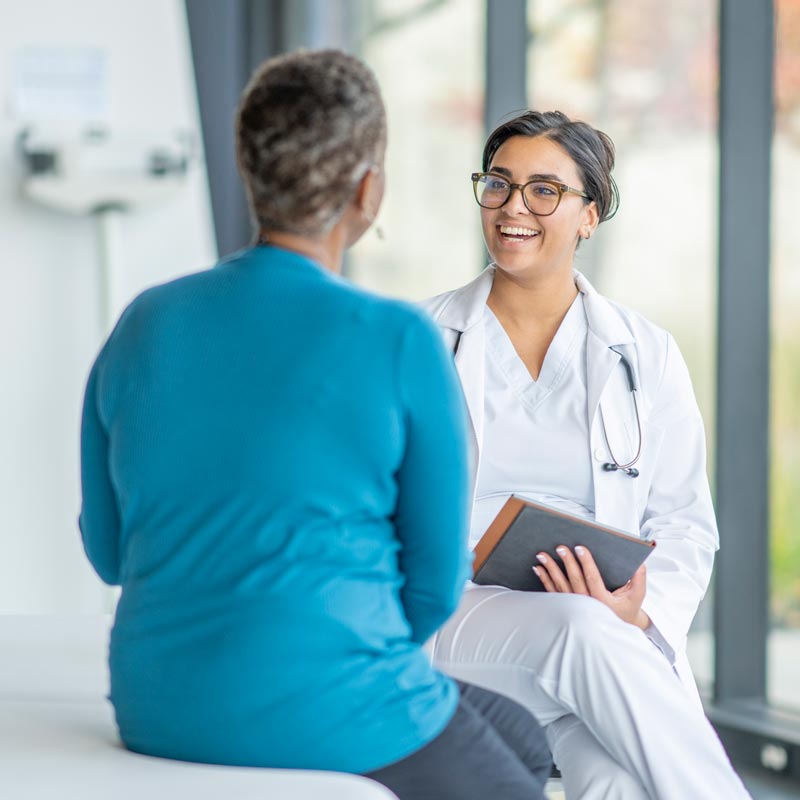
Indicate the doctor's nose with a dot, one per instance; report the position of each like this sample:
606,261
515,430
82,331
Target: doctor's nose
516,203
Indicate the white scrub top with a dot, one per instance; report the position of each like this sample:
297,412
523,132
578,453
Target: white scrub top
535,433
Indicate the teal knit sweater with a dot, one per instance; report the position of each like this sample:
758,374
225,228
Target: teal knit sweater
274,471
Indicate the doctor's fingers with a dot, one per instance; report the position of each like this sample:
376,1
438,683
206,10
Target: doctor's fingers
551,575
574,571
544,577
594,581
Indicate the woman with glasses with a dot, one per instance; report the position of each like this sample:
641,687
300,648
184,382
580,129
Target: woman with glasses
587,407
284,509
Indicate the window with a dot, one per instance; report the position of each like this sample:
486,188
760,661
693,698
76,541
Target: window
784,636
646,74
429,60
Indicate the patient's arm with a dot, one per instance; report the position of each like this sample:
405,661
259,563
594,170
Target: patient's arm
432,508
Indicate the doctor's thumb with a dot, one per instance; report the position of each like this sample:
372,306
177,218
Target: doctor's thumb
639,578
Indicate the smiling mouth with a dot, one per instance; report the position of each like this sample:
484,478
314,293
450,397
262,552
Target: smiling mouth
516,233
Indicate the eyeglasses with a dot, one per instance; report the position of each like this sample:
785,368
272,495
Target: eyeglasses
540,197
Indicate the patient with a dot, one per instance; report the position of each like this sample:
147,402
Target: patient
274,471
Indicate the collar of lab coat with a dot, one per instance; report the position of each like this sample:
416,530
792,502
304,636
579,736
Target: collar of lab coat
464,308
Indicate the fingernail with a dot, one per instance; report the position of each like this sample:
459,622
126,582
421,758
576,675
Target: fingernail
562,551
536,570
542,557
579,550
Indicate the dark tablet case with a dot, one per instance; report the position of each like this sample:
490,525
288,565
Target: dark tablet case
507,551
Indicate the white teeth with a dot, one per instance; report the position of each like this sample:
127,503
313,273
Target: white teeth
509,231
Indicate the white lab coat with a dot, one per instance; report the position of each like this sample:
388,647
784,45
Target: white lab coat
670,501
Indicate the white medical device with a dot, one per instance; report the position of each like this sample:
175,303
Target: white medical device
98,172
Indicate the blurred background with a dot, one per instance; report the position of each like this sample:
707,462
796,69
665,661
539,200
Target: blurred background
116,152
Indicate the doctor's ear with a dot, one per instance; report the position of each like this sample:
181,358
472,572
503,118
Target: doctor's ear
590,220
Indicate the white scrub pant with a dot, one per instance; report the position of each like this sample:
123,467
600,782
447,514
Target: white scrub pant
620,723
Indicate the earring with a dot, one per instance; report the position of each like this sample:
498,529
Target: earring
371,219
587,235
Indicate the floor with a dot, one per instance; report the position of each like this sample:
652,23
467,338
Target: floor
553,790
766,788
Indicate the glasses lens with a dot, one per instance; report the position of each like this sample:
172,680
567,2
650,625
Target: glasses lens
491,191
541,197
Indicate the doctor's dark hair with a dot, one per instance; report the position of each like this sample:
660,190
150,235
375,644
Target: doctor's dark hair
590,149
308,126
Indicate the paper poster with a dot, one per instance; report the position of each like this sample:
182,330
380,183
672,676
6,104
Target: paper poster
60,83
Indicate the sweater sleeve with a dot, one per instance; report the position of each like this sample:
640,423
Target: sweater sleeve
99,519
432,507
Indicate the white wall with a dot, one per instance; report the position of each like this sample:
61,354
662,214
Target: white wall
50,299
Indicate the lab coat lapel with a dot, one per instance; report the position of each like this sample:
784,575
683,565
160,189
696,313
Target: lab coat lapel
461,318
606,330
600,363
607,391
470,363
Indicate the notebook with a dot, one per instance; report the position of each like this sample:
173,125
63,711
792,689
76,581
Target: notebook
507,551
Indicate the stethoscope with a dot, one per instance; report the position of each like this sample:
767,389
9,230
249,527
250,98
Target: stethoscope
610,466
614,465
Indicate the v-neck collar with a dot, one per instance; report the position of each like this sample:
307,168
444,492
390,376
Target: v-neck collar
558,357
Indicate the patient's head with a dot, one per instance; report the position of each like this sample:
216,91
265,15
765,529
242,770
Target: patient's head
310,125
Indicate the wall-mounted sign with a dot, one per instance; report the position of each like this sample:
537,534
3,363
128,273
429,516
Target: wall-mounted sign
60,83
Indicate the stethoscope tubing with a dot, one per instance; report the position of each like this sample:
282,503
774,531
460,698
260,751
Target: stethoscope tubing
614,465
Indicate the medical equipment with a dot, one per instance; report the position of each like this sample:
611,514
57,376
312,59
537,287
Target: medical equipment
103,174
614,465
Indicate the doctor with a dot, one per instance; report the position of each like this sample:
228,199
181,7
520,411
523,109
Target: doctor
586,406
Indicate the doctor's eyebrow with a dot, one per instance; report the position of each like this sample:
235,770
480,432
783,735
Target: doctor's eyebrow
536,177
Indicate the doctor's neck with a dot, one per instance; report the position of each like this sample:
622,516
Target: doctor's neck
528,301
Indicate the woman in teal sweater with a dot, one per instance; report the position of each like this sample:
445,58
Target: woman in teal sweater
274,471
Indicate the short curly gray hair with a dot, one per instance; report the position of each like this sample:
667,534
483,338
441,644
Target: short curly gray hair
309,125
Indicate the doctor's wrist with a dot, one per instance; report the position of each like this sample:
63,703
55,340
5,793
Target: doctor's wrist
642,621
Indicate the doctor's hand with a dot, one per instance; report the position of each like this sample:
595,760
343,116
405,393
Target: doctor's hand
583,577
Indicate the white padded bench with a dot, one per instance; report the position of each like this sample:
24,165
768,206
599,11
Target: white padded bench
58,739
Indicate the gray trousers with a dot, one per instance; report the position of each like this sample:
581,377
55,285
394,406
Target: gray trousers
492,749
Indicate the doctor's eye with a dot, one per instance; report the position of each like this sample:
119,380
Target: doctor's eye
496,184
542,190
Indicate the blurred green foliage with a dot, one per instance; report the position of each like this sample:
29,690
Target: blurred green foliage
785,481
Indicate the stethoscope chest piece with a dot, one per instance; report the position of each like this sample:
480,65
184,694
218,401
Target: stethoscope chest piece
611,466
